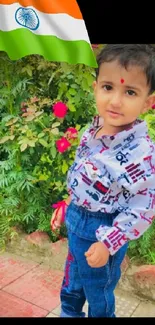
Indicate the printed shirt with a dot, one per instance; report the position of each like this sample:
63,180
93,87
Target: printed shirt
116,173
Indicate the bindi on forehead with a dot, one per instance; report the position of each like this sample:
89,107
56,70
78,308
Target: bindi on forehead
122,81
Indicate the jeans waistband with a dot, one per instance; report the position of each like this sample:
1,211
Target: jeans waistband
91,213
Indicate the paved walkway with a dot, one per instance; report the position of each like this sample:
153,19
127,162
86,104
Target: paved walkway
31,289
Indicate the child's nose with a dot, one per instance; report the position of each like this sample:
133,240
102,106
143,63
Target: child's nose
116,100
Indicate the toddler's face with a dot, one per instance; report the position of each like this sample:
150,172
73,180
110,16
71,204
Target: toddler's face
121,95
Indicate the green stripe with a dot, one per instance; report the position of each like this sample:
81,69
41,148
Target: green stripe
21,42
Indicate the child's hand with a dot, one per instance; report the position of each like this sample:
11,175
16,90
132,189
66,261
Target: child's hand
56,220
59,213
97,255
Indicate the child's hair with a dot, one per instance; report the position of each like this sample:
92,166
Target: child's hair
142,55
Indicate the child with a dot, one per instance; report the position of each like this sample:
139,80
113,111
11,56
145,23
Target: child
112,181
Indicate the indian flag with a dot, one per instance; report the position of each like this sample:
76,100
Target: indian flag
54,29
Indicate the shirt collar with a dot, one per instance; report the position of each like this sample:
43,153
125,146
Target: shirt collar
139,129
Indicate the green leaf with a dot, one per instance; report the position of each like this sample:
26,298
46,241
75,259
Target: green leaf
43,177
64,167
52,76
75,86
53,152
40,135
89,79
78,126
23,140
55,131
66,67
82,131
72,91
23,146
43,142
14,120
5,139
31,143
38,113
23,129
85,84
28,69
71,107
30,118
70,76
12,137
62,89
54,125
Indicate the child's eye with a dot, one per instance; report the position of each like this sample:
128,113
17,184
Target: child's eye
131,92
107,87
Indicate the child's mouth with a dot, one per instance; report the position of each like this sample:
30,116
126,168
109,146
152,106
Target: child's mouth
114,114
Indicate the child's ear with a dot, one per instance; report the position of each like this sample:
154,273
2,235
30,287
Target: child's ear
94,85
149,103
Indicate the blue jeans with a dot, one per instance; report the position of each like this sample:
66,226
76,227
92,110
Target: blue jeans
82,282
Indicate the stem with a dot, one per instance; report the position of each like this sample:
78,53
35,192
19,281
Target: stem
41,123
9,89
19,160
10,101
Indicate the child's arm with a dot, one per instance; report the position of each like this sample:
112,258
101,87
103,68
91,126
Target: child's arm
137,203
57,215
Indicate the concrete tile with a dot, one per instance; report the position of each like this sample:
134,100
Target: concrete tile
40,286
145,309
12,267
85,308
52,315
11,306
125,304
57,310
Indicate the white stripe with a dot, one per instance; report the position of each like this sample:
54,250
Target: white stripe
61,25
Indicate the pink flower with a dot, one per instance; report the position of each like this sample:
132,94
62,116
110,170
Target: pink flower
60,109
71,133
153,107
62,144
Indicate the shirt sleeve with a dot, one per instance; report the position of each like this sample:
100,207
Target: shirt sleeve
136,203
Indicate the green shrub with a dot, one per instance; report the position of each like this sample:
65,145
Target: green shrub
32,171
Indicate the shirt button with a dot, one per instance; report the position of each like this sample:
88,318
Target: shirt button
94,175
